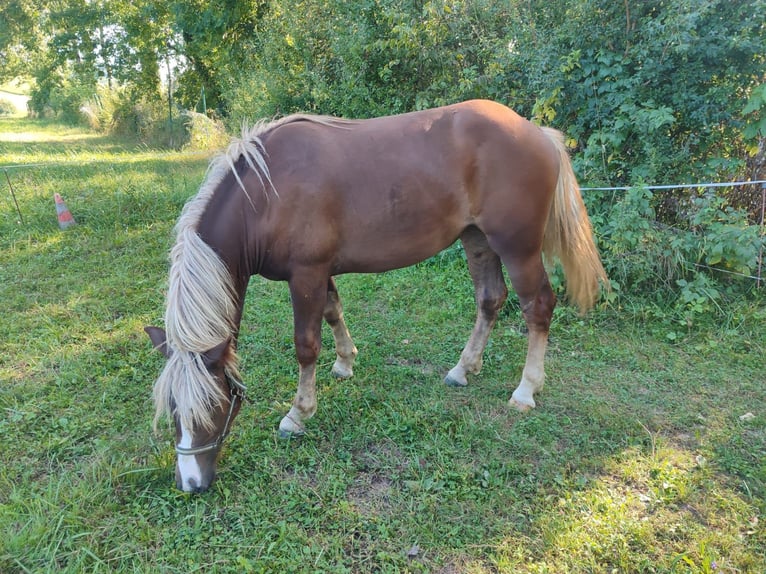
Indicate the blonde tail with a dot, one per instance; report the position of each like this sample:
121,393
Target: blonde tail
569,236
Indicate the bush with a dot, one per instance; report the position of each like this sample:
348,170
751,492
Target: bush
98,111
115,111
148,120
203,133
689,265
61,94
248,101
7,108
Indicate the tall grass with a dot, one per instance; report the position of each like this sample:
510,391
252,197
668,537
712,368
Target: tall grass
640,457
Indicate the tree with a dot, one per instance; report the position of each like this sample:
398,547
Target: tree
20,36
656,88
218,37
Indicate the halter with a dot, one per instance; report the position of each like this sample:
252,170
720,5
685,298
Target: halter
238,391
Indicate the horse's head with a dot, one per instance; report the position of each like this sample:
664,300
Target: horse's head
199,443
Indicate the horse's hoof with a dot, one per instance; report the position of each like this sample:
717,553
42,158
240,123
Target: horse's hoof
288,434
453,382
290,428
342,372
521,407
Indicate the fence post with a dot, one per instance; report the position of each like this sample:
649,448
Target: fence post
13,195
763,233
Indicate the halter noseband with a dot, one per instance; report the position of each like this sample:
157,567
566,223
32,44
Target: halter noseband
238,391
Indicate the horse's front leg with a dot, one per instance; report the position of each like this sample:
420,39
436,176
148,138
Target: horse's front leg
309,296
345,349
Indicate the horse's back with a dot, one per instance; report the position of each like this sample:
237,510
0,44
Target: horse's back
370,195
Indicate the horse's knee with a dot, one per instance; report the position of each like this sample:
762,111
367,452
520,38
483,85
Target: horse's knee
307,349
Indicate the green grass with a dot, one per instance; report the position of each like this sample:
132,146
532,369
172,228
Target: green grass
636,459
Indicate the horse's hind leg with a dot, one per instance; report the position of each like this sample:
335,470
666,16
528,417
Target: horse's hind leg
537,301
491,292
345,349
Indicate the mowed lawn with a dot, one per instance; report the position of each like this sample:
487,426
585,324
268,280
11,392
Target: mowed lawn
647,453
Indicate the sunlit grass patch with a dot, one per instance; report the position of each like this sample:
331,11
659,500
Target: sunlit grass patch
655,510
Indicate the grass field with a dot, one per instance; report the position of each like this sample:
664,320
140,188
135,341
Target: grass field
645,454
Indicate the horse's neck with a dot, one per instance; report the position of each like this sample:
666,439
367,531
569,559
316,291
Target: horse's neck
226,234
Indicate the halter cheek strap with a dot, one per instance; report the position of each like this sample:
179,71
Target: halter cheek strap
238,391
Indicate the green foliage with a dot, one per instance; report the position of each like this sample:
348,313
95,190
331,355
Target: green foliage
119,112
726,238
60,93
19,37
100,109
756,109
137,118
685,264
372,58
203,133
658,93
632,252
6,107
218,39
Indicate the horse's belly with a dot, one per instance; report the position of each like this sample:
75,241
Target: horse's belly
375,253
400,228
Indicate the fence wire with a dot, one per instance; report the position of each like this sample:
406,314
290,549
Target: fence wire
678,186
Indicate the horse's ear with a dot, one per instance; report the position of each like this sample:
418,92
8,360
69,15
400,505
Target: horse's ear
214,355
159,340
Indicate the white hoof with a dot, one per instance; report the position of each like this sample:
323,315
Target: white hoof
341,370
456,377
291,426
521,407
522,400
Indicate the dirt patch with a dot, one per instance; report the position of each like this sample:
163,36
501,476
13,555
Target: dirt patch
370,494
379,464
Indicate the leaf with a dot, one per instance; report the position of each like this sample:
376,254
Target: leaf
757,100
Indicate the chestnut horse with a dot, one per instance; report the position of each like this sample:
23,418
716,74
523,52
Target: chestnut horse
305,198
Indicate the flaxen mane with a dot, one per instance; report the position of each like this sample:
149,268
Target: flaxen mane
201,304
